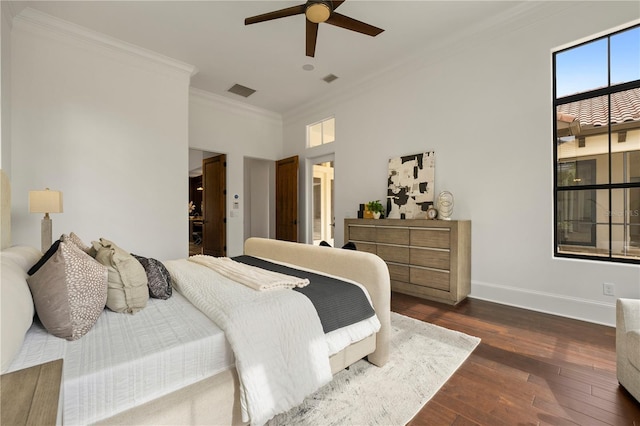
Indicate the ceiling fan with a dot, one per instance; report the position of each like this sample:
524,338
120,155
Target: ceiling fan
316,12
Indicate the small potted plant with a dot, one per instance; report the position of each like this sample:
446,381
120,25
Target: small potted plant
376,208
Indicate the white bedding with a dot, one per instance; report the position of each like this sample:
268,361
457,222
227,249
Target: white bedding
126,360
280,347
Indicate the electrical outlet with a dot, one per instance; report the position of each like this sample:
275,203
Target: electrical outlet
608,289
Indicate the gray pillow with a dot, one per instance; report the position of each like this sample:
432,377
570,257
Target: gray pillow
69,292
158,277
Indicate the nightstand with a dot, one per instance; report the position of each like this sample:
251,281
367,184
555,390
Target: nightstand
31,396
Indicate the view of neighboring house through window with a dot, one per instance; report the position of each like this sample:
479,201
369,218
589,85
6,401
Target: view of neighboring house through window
321,132
597,148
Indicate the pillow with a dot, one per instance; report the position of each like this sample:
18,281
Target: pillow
52,250
158,277
16,304
69,291
79,243
23,256
128,290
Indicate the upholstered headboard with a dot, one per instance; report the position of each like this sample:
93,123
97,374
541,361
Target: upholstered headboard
5,212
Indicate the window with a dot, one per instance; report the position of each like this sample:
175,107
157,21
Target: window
321,132
596,98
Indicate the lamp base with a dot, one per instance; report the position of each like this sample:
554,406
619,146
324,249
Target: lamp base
46,237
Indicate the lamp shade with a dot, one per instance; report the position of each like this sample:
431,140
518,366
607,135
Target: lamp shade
46,201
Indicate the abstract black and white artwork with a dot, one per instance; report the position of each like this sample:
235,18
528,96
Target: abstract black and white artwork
411,185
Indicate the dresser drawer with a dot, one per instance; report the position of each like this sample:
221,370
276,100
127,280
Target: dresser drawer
362,233
389,253
431,258
392,235
398,272
368,247
431,237
429,278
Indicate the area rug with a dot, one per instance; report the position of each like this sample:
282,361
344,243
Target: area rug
423,357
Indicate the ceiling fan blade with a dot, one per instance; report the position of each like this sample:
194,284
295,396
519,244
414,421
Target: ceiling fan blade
312,35
353,24
282,13
337,3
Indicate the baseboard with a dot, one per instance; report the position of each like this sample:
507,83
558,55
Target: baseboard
549,303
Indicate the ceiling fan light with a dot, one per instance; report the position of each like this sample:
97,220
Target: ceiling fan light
317,12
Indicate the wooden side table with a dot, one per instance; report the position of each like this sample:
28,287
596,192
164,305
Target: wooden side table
31,396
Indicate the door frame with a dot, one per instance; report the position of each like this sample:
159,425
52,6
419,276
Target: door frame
307,216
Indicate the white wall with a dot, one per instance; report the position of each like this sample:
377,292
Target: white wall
5,88
5,124
237,130
107,127
483,104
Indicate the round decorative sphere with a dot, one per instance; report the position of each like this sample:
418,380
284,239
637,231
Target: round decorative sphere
445,205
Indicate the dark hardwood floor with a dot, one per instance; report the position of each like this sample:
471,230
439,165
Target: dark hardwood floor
530,369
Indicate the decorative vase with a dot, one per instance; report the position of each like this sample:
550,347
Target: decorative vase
376,215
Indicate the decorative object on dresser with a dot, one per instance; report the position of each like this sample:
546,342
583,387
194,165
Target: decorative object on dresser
445,205
46,202
426,258
376,208
411,185
432,213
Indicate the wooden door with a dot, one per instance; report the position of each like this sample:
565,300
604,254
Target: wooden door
214,224
287,199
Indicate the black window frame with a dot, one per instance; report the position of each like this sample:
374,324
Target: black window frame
609,186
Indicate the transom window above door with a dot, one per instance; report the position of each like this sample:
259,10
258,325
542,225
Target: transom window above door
321,132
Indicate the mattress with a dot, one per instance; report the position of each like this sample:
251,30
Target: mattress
126,360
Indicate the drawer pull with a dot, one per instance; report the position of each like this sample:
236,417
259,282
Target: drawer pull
430,269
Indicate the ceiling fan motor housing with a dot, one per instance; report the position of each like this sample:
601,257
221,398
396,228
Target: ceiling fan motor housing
318,11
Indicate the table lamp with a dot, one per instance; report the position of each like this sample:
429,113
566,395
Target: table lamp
46,202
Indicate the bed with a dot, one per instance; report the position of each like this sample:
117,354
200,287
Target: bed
170,363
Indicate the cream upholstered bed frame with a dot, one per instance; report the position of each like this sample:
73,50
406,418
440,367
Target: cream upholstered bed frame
216,400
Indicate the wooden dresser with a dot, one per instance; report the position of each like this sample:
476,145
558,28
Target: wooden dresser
426,258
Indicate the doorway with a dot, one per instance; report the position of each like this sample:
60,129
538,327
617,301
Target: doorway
322,209
200,236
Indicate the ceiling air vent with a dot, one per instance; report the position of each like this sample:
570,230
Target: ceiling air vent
241,90
329,78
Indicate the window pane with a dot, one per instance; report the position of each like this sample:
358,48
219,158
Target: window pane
625,220
583,138
315,134
329,130
625,56
581,68
625,167
577,215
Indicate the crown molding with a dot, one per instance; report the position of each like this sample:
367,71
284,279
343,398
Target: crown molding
239,107
9,11
34,19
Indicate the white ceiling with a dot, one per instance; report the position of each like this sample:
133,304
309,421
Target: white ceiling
269,56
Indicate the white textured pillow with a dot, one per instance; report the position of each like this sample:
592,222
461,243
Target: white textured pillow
16,304
23,256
